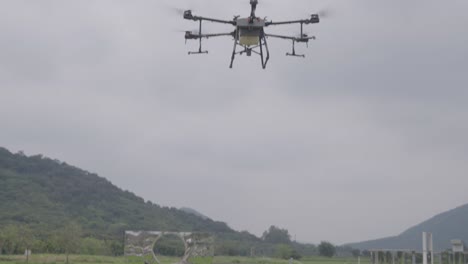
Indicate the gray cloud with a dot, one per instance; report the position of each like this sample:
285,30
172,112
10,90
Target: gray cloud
373,120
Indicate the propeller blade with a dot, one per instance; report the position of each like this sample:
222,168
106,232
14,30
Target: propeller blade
178,11
177,8
325,13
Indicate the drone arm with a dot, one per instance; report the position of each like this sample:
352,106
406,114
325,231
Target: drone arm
190,35
215,20
312,20
271,23
302,39
188,15
216,35
297,39
280,36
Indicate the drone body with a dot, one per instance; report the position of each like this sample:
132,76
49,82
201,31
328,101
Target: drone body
249,34
250,31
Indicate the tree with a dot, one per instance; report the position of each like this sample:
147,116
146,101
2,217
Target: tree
93,246
2,238
69,238
10,239
276,235
286,252
305,249
25,239
326,249
116,248
283,251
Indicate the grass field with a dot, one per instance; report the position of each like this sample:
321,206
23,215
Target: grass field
83,259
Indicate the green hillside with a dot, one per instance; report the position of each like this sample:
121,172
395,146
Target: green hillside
44,195
444,227
42,199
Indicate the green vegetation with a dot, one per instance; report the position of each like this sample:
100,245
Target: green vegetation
201,260
286,251
44,195
276,235
85,259
326,249
170,245
67,237
49,206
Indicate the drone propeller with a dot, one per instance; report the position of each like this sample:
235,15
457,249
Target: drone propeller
325,13
177,7
178,11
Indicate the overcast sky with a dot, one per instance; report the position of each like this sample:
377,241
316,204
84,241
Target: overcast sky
362,139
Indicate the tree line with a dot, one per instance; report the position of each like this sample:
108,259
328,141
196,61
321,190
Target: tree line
17,239
70,239
276,242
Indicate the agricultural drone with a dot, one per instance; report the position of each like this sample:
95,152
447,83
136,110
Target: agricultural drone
249,34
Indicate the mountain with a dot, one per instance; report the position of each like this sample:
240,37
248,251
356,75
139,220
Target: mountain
44,195
444,227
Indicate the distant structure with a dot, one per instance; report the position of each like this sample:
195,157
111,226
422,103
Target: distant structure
405,256
455,255
393,256
408,256
458,251
141,244
428,248
457,246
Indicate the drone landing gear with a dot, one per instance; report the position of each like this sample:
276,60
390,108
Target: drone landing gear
197,52
200,51
248,50
293,54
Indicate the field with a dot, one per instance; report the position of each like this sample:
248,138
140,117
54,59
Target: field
83,259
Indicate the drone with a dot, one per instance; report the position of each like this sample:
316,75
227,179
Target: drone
249,34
